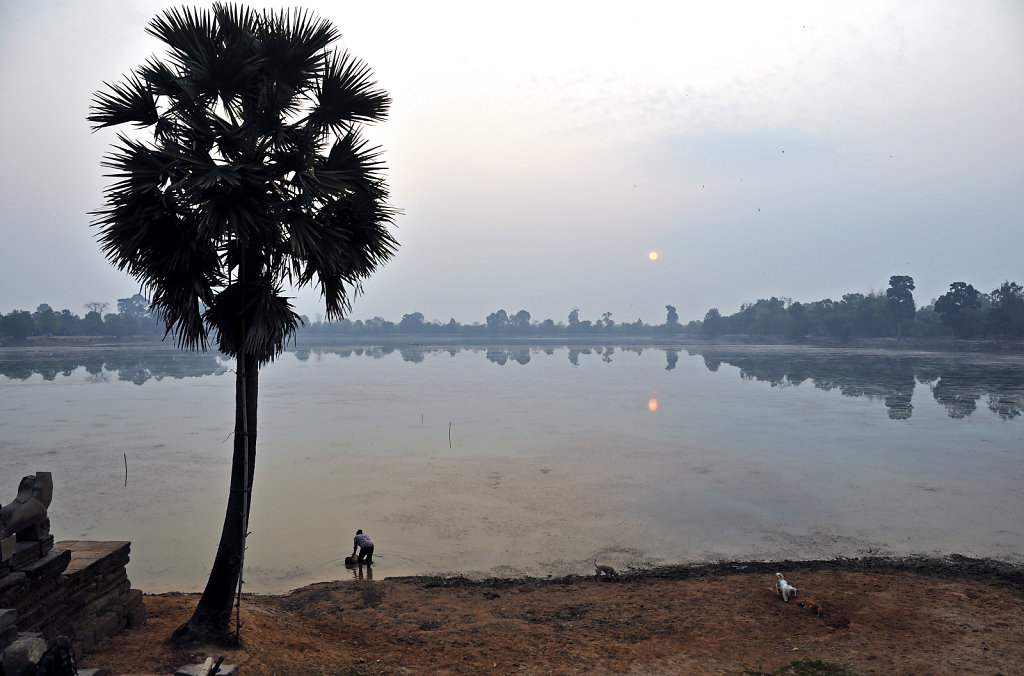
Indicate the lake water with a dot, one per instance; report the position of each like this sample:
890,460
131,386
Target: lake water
524,460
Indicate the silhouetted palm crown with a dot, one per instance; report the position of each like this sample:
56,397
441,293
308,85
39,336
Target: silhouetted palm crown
254,176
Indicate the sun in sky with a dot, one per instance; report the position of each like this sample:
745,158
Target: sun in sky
653,255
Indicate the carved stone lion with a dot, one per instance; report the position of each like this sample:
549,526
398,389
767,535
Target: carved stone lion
26,515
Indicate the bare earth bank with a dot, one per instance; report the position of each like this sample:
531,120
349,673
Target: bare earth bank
880,616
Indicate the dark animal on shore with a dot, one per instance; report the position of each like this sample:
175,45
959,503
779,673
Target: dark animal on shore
602,570
812,606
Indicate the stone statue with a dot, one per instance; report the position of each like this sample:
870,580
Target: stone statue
26,515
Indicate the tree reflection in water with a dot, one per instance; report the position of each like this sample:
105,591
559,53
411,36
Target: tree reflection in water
957,382
671,358
131,365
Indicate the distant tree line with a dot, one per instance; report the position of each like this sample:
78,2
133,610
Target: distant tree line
497,324
133,318
962,312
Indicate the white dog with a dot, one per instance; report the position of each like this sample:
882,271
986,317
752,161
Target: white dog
785,591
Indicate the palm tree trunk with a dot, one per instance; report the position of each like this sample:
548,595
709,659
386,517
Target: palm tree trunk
211,619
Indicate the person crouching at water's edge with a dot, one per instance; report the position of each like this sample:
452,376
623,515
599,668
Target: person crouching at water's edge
364,545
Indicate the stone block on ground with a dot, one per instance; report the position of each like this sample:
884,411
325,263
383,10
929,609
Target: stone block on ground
24,653
137,616
107,624
194,669
132,598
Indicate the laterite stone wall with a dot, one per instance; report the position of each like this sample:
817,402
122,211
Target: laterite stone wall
79,589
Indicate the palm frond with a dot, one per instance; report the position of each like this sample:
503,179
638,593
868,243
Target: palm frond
352,156
132,102
161,249
233,19
187,31
354,240
218,60
304,236
161,79
141,168
347,93
294,43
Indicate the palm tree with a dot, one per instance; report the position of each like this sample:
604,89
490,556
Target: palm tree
253,178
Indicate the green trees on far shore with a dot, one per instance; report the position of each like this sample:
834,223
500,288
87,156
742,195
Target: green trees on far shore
962,312
133,318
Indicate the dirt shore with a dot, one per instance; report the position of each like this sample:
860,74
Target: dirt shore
879,616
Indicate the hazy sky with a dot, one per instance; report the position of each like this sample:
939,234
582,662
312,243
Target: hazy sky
540,150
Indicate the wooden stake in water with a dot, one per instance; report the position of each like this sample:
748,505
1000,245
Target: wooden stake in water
126,470
449,434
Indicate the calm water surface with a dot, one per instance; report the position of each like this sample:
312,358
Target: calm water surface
524,461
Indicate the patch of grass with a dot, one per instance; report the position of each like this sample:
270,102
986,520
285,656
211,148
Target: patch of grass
805,668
